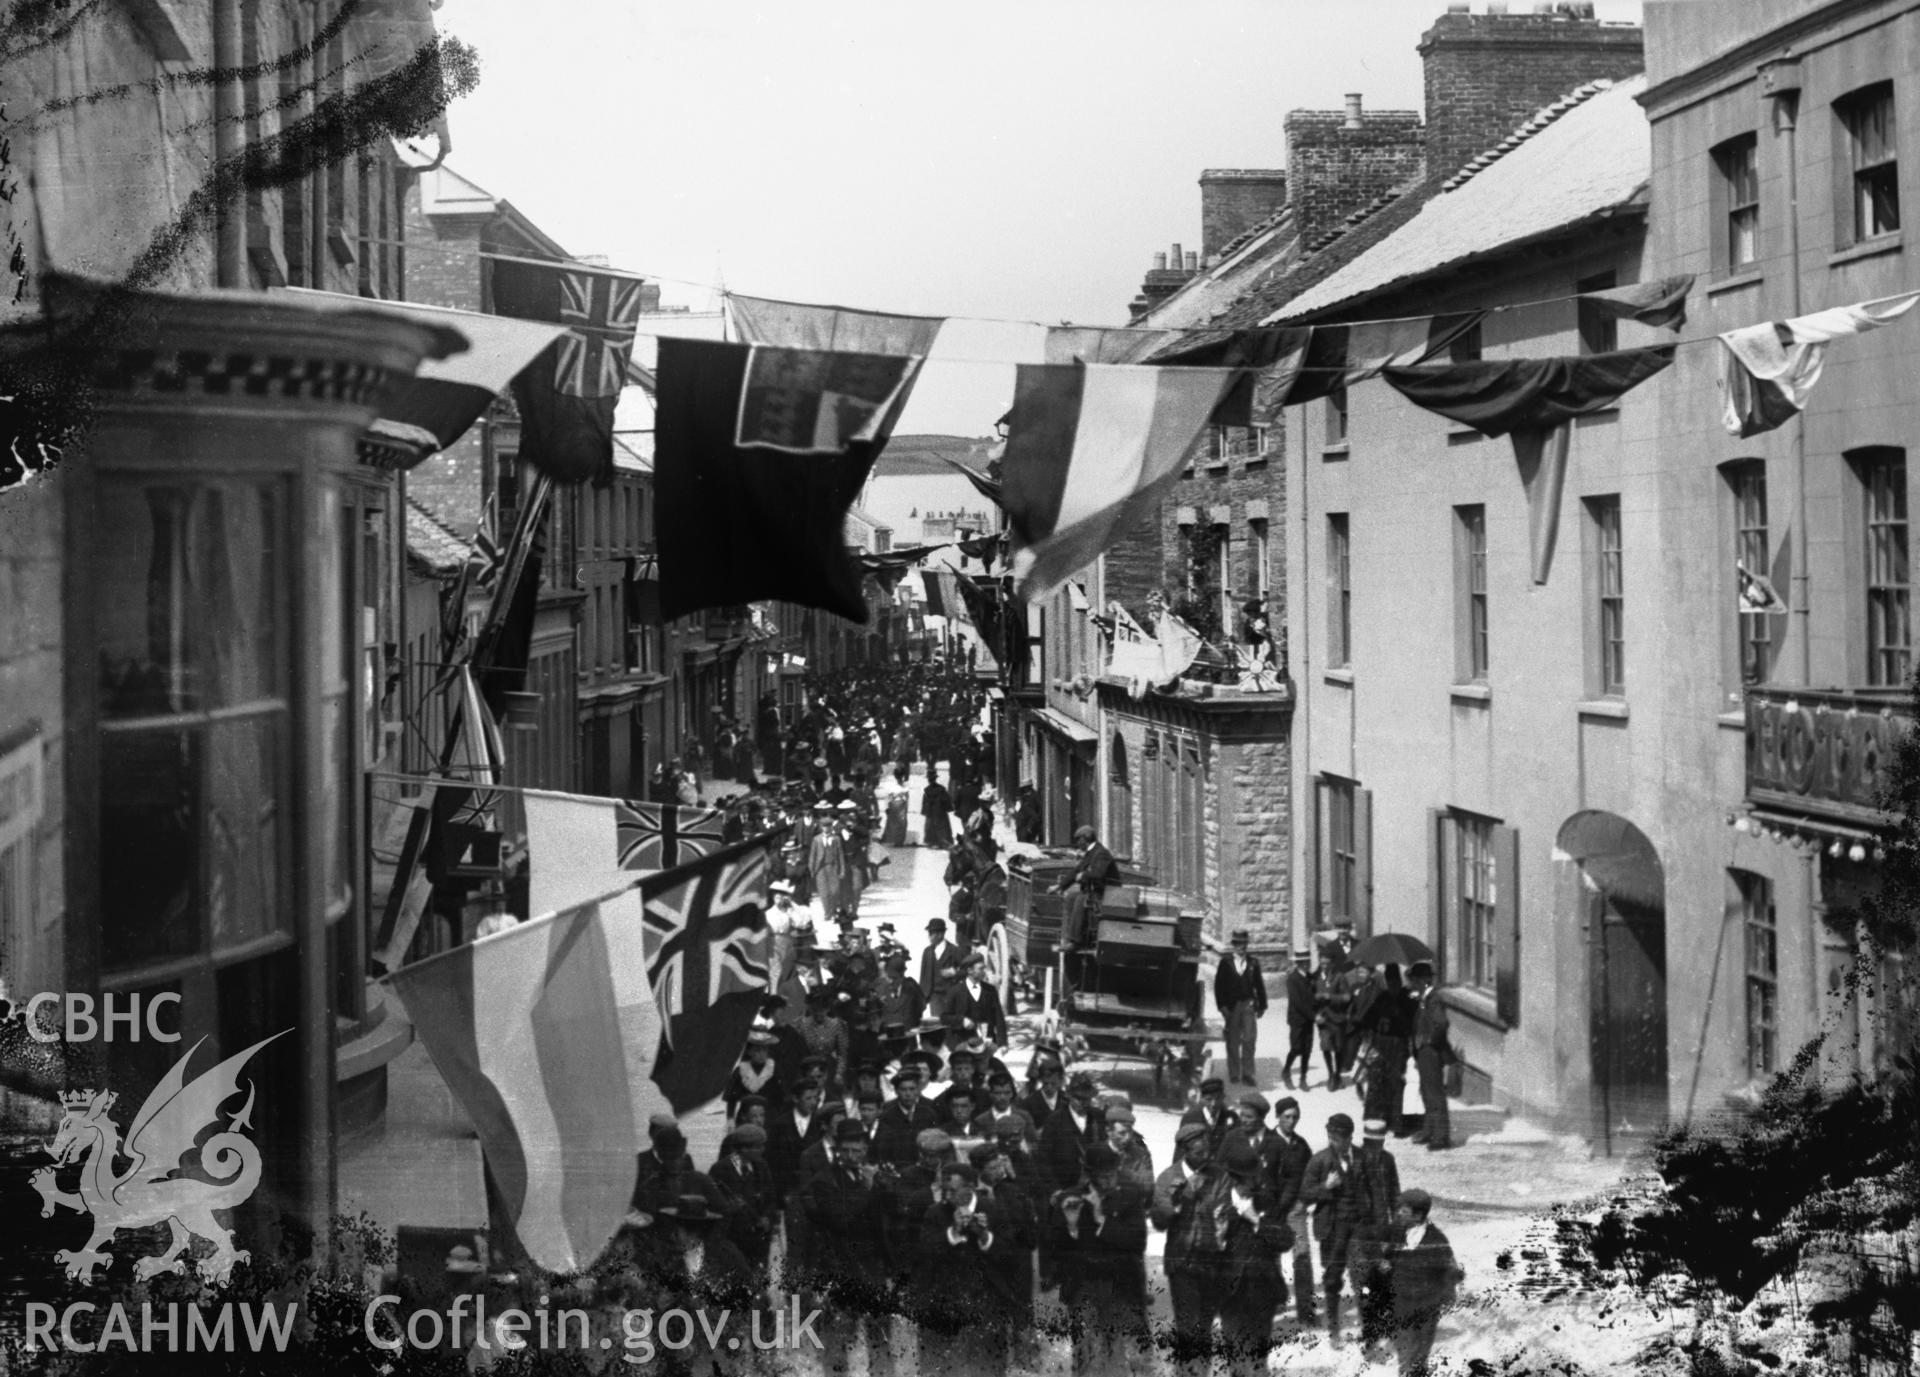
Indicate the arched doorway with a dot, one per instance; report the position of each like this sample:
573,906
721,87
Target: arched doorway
1623,893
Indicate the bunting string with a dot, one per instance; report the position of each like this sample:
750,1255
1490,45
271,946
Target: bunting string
723,291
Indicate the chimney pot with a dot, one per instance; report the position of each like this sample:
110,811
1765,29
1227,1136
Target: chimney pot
1193,260
1159,262
1546,7
1353,110
1176,258
1459,7
1496,7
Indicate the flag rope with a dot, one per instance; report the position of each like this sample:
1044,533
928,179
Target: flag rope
1215,329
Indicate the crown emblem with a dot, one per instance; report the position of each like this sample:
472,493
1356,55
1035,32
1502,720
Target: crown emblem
81,1099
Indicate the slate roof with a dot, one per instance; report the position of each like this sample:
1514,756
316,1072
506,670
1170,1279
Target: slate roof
431,547
1585,157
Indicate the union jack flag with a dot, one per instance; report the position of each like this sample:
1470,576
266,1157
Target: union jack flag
486,556
705,936
600,312
660,836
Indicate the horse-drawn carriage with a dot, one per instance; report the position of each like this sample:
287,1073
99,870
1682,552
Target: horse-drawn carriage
1131,987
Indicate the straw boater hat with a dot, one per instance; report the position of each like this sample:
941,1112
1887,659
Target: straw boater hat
688,1209
780,887
847,805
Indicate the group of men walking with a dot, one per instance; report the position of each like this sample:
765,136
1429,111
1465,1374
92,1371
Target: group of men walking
1373,1021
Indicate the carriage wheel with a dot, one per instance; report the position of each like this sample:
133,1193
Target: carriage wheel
1000,963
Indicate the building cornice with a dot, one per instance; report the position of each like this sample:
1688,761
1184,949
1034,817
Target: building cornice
1741,60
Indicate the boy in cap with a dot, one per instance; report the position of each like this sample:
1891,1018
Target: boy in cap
1336,1194
903,1120
1099,1231
1252,1109
1290,1175
1425,1277
1211,1113
747,1193
1240,993
1136,1158
1300,1015
1185,1197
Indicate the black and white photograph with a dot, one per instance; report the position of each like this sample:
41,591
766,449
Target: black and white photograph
1044,688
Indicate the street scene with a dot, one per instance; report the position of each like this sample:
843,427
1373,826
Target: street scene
1046,689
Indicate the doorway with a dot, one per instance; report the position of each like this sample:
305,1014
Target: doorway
1624,889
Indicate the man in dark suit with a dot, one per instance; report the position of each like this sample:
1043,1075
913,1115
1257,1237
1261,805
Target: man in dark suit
1432,1053
1049,1092
1253,1131
904,1120
789,1134
939,964
1099,1230
1425,1276
848,1243
1254,1236
1212,1113
1300,1015
1379,1182
745,1183
1386,1017
1059,1159
973,1006
1240,992
1290,1177
1087,882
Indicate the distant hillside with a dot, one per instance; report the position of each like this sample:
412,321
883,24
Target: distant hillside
920,454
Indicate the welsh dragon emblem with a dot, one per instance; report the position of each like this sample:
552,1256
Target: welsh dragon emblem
149,1192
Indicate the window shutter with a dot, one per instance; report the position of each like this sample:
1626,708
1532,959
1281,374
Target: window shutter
1363,862
1506,918
1321,844
1437,886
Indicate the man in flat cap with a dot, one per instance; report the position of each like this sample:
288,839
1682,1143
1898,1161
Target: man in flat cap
1136,1158
1336,1193
1425,1277
847,1240
1254,1236
747,1192
1211,1112
1251,1109
1085,885
904,1119
1240,993
1185,1197
1099,1228
1301,1010
939,964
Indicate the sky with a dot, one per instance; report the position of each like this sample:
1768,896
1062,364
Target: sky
999,160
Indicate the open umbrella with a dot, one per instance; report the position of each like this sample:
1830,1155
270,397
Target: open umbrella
1390,949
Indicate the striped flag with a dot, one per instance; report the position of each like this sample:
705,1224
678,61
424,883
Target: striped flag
531,1030
1091,449
659,836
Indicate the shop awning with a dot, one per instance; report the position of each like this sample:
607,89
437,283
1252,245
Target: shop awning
1055,720
446,396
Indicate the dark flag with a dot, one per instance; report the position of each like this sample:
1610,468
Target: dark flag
567,395
759,453
708,957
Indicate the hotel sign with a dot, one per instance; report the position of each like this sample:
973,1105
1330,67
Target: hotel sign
1822,754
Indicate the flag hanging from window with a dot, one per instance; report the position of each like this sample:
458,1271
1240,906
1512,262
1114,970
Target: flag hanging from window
566,396
485,557
1756,591
759,455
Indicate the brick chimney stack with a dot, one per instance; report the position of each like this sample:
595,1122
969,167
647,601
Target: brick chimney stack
1487,73
1233,200
1341,161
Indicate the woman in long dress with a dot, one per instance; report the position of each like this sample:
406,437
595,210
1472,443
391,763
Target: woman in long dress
936,807
893,799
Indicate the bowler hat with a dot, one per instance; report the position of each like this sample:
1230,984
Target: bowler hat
1081,1084
750,1136
1416,1200
1239,938
1340,1123
1213,1085
849,1131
